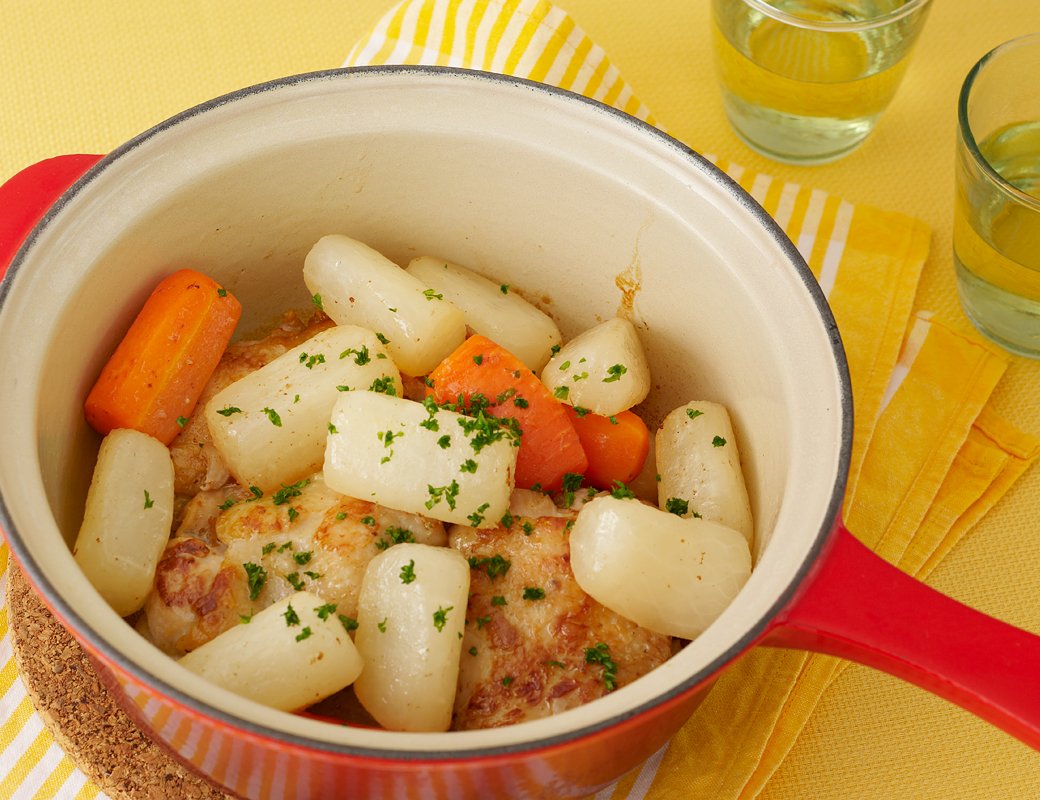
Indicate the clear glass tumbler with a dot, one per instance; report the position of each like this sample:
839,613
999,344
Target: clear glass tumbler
996,223
804,81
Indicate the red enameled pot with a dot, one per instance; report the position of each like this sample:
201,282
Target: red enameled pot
564,198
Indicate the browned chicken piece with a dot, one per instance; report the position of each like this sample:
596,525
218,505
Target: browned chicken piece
531,630
235,554
196,462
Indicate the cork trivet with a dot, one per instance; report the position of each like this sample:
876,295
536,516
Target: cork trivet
83,718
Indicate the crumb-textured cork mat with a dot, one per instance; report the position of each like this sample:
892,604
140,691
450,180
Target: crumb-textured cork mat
84,719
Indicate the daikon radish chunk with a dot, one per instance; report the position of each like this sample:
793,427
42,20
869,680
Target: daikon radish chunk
127,519
670,575
492,310
270,426
699,464
359,286
415,457
603,369
411,612
288,656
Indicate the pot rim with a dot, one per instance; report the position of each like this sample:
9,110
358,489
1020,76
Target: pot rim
754,632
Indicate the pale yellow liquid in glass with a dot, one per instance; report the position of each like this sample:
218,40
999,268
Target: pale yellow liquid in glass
799,94
996,240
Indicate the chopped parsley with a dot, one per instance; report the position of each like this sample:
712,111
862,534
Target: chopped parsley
382,625
324,611
613,419
148,501
245,619
267,548
498,600
182,421
221,292
430,424
483,430
316,299
527,528
312,575
440,617
343,388
342,515
469,465
600,654
507,520
227,504
554,349
394,536
478,360
561,392
291,617
622,492
473,650
478,516
385,385
273,416
304,634
504,288
430,294
482,621
508,679
571,484
581,411
519,402
315,359
293,514
552,663
293,579
256,577
615,372
676,505
332,429
408,572
564,366
349,623
302,558
286,493
718,441
370,521
285,546
693,413
447,493
444,442
256,491
428,381
495,566
382,339
361,357
533,593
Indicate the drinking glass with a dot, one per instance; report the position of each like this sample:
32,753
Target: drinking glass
996,223
804,81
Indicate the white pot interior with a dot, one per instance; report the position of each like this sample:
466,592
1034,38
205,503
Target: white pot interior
556,196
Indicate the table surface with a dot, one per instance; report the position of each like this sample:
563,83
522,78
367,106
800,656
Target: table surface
83,77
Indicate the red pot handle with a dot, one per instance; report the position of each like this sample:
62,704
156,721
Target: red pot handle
858,606
27,196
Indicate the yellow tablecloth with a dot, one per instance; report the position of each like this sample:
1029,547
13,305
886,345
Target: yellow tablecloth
82,77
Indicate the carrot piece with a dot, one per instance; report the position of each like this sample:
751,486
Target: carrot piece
549,446
616,450
158,371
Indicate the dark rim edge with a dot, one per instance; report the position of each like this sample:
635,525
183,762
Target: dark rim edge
751,635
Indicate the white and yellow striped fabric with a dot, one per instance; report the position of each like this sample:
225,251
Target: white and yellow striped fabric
911,375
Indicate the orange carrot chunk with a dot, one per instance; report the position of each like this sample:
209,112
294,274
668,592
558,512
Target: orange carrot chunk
549,446
616,449
157,373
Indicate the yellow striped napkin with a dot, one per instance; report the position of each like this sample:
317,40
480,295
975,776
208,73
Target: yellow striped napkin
929,457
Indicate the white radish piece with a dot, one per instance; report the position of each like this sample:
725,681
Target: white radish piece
127,519
404,455
492,310
270,426
603,369
411,612
360,286
699,464
670,575
288,656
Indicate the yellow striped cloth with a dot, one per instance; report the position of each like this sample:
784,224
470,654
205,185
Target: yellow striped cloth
929,459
